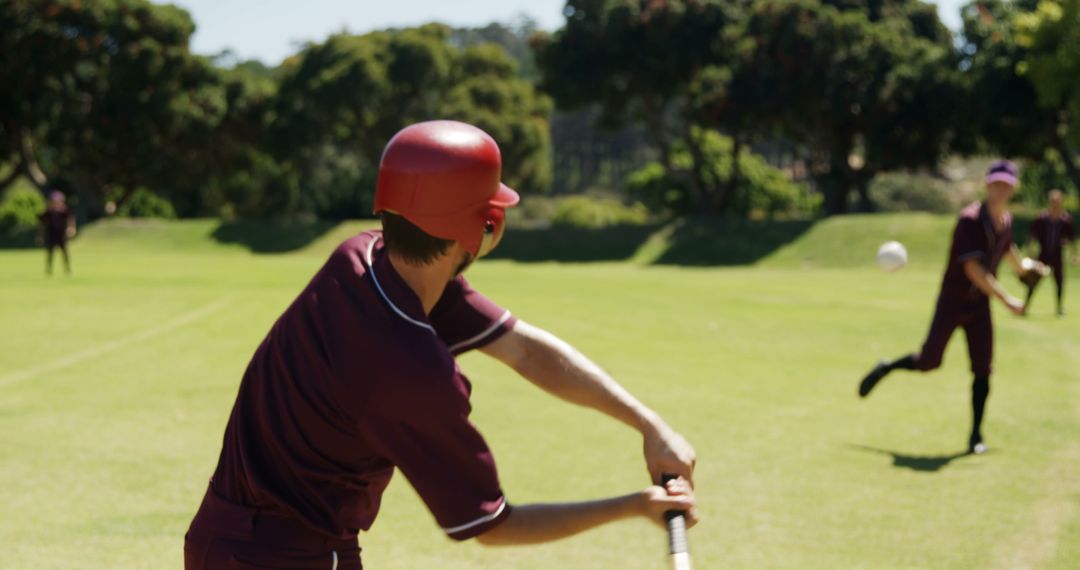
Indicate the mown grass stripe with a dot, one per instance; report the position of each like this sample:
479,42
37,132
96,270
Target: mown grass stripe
106,347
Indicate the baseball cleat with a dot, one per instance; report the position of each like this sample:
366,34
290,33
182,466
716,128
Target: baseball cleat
873,378
976,445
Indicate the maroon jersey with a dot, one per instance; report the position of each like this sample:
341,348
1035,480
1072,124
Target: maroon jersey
354,380
974,238
1052,232
55,223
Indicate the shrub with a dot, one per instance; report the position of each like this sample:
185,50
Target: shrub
19,209
658,191
591,212
145,204
904,192
762,190
533,211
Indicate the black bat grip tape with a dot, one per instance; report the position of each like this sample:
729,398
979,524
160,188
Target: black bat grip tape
676,524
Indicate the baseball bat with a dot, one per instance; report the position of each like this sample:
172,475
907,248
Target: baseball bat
678,546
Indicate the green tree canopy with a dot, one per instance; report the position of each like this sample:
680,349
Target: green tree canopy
351,93
863,87
1050,38
868,88
104,96
636,60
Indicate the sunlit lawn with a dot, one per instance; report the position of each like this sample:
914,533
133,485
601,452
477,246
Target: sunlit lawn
115,387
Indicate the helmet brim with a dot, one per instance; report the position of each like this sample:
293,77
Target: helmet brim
1003,177
505,197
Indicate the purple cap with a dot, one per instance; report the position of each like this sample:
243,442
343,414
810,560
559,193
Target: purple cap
1003,171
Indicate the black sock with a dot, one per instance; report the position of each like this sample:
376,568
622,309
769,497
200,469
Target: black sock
980,390
902,363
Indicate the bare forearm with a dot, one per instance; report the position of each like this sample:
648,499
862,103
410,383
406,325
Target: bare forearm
1015,259
531,524
984,281
561,370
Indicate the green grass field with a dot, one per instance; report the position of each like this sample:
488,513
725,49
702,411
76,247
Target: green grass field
115,386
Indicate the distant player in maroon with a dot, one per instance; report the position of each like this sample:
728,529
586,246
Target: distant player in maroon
982,238
1052,230
358,378
55,226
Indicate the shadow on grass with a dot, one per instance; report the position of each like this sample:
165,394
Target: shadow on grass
265,236
706,242
21,239
694,242
572,244
925,463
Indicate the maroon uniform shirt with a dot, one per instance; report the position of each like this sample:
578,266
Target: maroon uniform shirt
1052,232
352,381
975,237
55,223
961,304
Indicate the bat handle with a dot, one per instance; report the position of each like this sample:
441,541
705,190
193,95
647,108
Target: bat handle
678,546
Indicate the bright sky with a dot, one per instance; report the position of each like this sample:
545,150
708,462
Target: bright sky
271,30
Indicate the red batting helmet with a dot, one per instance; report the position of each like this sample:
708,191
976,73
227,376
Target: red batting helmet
444,177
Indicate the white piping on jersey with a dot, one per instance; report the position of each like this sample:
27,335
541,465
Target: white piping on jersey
505,317
479,521
334,567
371,269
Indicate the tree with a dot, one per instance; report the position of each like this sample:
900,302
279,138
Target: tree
635,60
862,86
1050,36
341,100
238,175
514,38
864,90
105,96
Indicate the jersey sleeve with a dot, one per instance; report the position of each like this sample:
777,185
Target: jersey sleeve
424,430
464,319
968,241
1068,231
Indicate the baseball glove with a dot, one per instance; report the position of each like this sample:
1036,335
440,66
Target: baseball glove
1030,277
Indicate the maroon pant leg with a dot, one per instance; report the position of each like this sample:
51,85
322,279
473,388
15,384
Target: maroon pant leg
979,329
937,339
226,536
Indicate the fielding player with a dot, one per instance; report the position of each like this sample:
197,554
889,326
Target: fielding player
983,236
358,377
1052,229
55,226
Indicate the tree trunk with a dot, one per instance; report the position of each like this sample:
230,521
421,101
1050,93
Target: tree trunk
836,195
697,179
837,183
30,165
862,185
1069,160
731,185
654,123
16,171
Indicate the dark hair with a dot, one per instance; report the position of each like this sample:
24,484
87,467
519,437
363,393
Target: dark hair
413,244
